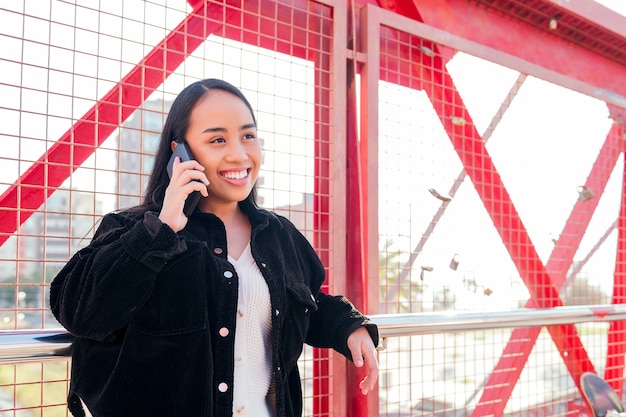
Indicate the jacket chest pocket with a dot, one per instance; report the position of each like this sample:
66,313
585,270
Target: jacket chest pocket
178,301
301,299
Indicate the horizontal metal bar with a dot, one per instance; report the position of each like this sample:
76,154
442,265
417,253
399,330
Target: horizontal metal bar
18,346
427,323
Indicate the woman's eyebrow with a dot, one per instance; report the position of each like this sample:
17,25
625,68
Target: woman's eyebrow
214,129
222,129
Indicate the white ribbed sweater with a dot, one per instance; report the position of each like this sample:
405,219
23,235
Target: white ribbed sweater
253,360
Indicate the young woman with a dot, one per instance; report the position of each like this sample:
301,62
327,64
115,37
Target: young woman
202,315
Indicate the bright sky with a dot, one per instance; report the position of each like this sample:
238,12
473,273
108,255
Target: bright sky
618,6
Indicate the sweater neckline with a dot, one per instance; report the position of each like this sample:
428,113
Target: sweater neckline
244,259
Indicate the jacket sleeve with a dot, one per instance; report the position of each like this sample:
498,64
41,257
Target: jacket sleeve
336,317
96,294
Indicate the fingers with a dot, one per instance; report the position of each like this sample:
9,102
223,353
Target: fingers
187,177
371,363
364,354
185,172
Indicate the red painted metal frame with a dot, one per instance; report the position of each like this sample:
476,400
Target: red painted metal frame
289,29
561,62
356,235
479,167
277,28
552,54
522,41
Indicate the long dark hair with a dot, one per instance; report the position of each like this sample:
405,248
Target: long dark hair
175,129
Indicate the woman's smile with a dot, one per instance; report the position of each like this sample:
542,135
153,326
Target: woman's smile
235,174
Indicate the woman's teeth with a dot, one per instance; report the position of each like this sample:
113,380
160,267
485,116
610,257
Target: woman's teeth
236,175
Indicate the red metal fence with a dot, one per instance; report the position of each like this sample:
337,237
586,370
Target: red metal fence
459,155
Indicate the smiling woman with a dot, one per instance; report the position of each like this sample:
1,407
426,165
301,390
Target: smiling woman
223,298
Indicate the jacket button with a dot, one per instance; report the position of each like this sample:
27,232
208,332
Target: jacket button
224,332
228,274
277,312
263,265
223,387
218,251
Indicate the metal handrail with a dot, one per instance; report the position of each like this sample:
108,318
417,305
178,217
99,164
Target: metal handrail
411,324
18,346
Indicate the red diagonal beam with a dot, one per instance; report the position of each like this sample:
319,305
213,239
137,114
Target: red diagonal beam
488,184
576,225
495,120
560,259
480,168
498,387
30,191
505,219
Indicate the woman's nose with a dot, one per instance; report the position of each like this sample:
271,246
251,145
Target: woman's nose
237,151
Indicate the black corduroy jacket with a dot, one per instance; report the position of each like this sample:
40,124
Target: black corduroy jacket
153,314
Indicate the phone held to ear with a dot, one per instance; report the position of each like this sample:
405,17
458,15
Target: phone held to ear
183,152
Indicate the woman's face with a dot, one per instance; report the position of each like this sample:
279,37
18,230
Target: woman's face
222,137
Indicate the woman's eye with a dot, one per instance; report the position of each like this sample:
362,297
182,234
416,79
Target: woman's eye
218,140
250,136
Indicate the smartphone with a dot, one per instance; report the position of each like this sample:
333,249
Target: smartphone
183,152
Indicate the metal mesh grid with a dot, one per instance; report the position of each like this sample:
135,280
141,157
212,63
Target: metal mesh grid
527,220
34,389
86,88
82,110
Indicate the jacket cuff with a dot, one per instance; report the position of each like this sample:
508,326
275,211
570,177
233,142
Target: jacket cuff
152,242
371,328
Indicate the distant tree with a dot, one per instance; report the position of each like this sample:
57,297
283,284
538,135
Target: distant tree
396,297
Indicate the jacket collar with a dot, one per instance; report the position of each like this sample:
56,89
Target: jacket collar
259,217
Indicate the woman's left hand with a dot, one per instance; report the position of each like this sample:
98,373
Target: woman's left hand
364,353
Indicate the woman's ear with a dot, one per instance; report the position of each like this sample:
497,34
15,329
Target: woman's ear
173,145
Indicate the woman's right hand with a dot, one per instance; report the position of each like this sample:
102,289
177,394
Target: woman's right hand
181,185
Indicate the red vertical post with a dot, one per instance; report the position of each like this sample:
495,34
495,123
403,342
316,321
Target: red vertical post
355,240
361,188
